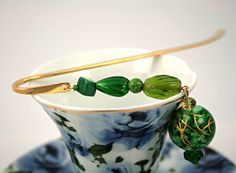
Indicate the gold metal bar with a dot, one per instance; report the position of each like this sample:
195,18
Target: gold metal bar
65,86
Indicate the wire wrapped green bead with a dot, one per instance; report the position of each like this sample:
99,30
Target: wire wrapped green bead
192,129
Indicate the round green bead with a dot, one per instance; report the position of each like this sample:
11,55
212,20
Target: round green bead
194,156
192,129
135,85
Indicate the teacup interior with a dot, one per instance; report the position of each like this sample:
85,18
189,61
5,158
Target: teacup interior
140,68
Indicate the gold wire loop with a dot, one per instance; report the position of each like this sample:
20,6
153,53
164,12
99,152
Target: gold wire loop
185,90
65,86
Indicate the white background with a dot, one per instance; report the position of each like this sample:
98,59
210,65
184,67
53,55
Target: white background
34,32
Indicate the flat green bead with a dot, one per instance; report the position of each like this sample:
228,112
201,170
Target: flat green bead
192,129
85,87
135,85
115,86
161,86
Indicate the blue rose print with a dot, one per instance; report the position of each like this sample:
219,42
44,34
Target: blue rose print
53,158
125,130
212,163
69,133
167,148
119,168
73,142
92,136
50,158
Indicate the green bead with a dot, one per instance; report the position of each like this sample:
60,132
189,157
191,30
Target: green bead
115,86
192,129
85,87
193,156
161,86
135,85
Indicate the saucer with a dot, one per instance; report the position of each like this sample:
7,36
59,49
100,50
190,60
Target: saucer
54,158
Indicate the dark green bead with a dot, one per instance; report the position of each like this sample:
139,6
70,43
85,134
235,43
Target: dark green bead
192,129
161,86
85,87
115,86
135,85
194,156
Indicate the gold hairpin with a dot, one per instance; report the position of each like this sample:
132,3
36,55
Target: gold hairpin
65,86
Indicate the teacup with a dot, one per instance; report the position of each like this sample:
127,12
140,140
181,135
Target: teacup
106,134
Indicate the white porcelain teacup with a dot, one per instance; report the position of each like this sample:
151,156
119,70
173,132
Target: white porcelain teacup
106,134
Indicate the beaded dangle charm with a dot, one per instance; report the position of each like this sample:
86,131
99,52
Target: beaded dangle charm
192,128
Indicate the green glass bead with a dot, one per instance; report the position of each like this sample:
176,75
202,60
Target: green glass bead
194,156
85,87
115,86
135,85
192,129
161,86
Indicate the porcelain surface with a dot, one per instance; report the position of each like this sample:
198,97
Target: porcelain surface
109,134
53,157
129,140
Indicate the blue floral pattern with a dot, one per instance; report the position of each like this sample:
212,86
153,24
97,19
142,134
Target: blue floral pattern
50,158
122,142
54,158
94,141
119,168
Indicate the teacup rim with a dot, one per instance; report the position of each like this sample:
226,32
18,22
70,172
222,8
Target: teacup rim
143,107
